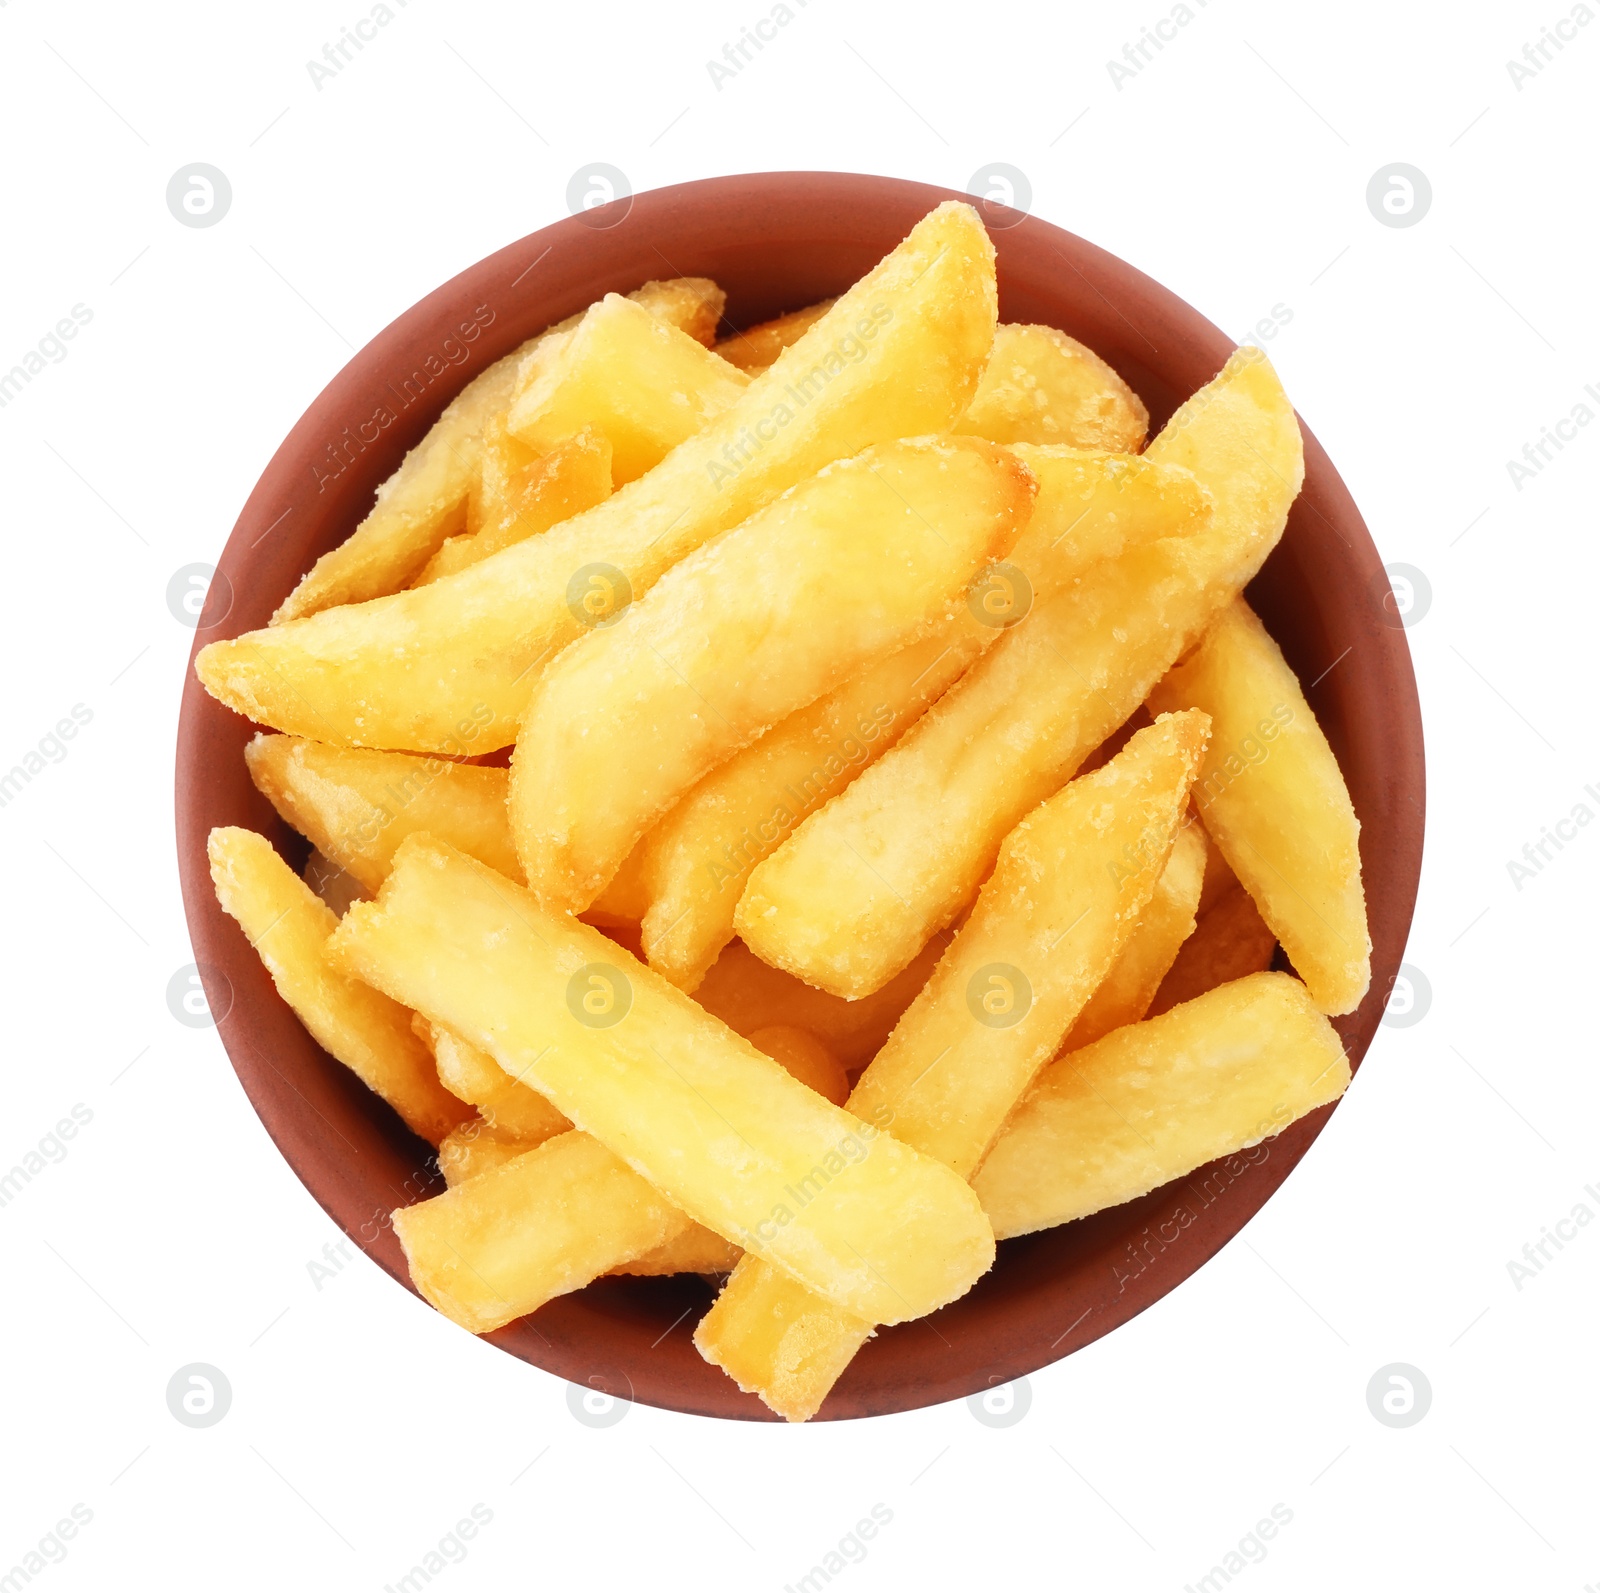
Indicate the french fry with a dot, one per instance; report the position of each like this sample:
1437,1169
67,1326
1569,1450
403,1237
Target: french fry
722,1131
474,1148
481,1144
476,1256
1275,802
690,869
1125,994
864,558
1230,941
899,355
289,929
688,872
356,806
748,994
1151,1102
1041,386
859,887
754,349
531,493
1066,894
426,499
506,1104
643,385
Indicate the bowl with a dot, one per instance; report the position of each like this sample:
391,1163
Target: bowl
776,241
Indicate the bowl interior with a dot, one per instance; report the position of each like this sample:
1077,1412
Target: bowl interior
777,241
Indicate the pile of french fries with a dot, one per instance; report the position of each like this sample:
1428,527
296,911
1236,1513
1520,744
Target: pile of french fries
904,806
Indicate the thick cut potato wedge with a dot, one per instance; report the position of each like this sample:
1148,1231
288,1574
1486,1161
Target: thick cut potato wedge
1066,895
427,498
748,995
643,385
686,875
475,1147
754,349
289,928
861,885
1274,801
721,1130
1153,1101
1041,386
1230,941
898,356
530,494
864,558
357,806
1125,994
476,1256
506,1104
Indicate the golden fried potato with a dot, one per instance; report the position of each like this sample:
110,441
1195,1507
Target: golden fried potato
1230,941
544,1223
1125,994
721,1130
754,349
1065,896
866,557
897,356
642,385
506,1104
1094,506
526,493
861,885
1275,802
426,499
1155,1100
1041,386
357,806
289,928
685,876
475,1147
748,994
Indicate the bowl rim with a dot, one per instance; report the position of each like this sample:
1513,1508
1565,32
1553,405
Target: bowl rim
777,210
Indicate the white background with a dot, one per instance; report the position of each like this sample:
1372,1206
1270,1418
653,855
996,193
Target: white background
1233,168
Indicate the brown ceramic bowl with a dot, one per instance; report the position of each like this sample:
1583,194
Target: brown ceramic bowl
776,241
